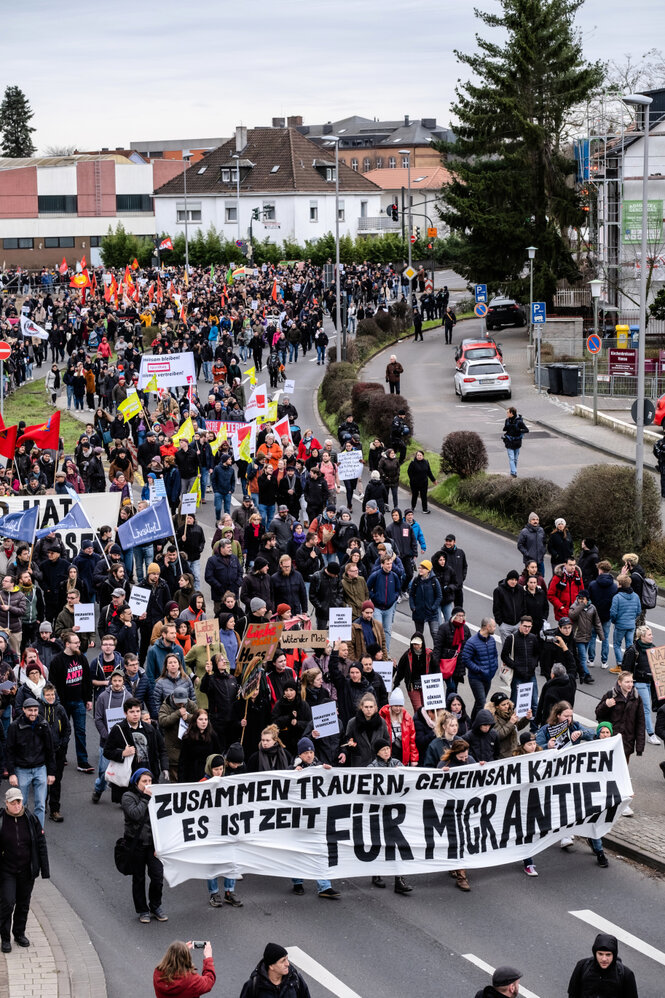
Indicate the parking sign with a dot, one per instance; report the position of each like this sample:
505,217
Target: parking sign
538,313
481,293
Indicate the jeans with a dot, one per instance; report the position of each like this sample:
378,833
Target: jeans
506,631
128,561
582,649
205,480
394,491
76,711
144,555
512,460
644,690
320,355
196,572
605,644
207,371
293,352
386,617
321,885
447,611
35,778
433,626
329,559
621,634
480,687
244,352
70,396
267,512
213,885
78,402
100,782
222,499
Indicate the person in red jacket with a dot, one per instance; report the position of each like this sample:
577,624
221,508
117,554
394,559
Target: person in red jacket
176,977
401,729
565,587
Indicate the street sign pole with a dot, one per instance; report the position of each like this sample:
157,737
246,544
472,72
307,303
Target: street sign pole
595,363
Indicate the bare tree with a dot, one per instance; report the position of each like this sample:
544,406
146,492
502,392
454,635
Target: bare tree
60,150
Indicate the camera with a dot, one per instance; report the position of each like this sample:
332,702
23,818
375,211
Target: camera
198,943
549,634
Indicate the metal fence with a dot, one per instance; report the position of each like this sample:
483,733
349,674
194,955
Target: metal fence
609,385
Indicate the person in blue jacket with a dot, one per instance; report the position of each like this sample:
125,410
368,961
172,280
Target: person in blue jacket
385,588
425,599
624,611
480,659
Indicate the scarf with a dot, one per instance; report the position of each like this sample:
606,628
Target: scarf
429,721
299,538
458,636
643,645
36,688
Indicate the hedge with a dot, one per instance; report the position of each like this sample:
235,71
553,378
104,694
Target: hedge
382,410
463,453
361,397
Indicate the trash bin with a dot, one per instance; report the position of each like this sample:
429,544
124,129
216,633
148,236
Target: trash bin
634,337
622,336
556,383
569,377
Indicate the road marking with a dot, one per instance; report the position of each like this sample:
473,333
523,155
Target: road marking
476,592
477,962
316,970
658,626
603,925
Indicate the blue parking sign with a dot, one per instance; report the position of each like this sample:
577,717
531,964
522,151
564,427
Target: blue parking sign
538,313
481,293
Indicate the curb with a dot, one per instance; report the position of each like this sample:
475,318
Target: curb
631,852
79,970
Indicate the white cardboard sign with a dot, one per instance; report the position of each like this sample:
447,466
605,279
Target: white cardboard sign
434,691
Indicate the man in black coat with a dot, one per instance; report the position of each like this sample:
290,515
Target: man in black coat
30,756
223,573
23,856
604,973
326,591
505,984
288,586
456,559
139,739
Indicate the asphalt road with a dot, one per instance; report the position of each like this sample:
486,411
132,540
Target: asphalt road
436,941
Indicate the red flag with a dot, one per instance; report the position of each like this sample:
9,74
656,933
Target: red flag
160,292
2,423
128,277
151,291
273,293
45,435
81,280
135,264
7,444
166,244
62,269
83,262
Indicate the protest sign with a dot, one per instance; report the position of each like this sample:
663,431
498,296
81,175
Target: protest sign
114,715
303,639
339,623
206,632
260,641
523,699
385,670
157,491
289,386
560,733
138,600
188,503
656,658
359,822
172,369
324,718
100,508
233,431
349,464
84,617
434,691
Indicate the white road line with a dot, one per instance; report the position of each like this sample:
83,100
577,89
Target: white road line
658,626
477,962
603,925
316,970
476,592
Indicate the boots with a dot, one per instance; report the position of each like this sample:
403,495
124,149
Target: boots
462,881
378,882
601,859
401,886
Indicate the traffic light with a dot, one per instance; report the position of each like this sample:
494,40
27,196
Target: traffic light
255,214
417,232
391,211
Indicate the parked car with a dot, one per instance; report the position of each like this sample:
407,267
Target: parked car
472,348
504,312
482,377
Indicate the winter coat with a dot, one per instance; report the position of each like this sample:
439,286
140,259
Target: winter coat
223,479
135,809
537,607
447,580
602,591
554,691
384,588
289,589
424,733
483,745
419,473
507,603
456,559
635,660
221,688
306,565
531,543
12,619
354,594
169,724
379,493
507,733
521,652
514,429
38,854
283,713
193,755
348,693
402,538
259,985
223,572
627,718
625,609
365,733
425,597
29,746
156,657
443,647
588,565
551,654
389,470
166,687
409,747
256,584
358,644
585,621
411,667
479,656
560,546
190,986
563,590
325,592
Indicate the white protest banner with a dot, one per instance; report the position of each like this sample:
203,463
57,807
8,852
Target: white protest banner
138,600
114,715
188,503
523,699
84,617
360,822
385,670
289,386
172,369
349,464
257,404
339,623
434,691
324,717
100,508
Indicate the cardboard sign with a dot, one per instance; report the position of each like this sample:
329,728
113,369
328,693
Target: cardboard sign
434,691
324,717
114,715
385,670
188,503
260,640
138,600
303,639
339,623
289,386
206,632
349,465
84,617
656,657
523,699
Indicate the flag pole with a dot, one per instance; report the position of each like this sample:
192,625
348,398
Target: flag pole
32,546
175,538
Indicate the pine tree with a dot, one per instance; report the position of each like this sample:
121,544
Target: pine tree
511,169
15,115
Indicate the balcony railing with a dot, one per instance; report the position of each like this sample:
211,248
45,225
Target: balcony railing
378,223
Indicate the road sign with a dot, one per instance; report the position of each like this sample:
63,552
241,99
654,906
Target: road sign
480,309
5,350
538,313
413,239
410,273
622,361
429,286
594,343
431,232
649,412
481,292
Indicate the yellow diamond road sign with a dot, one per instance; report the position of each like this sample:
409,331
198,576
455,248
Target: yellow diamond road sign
410,273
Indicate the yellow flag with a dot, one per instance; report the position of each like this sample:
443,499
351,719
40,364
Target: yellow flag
219,439
272,411
130,407
244,452
251,371
196,487
152,385
186,432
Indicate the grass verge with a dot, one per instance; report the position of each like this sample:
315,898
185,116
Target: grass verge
29,403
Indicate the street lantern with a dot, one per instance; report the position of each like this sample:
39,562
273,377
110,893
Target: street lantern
407,153
531,250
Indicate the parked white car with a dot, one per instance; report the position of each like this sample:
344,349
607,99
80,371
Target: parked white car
482,377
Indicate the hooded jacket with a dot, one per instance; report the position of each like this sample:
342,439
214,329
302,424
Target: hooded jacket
627,717
589,980
425,597
402,537
507,603
531,543
484,745
585,621
564,589
602,591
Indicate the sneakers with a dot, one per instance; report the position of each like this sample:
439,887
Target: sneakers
88,770
530,870
215,900
601,859
329,893
145,917
653,740
230,898
628,811
616,669
566,843
56,816
298,889
96,796
160,914
604,665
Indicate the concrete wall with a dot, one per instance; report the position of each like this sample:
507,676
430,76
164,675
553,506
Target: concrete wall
565,335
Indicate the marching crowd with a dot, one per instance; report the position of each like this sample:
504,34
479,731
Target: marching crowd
289,551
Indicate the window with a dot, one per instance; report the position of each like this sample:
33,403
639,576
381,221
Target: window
367,164
330,173
379,162
340,212
230,212
67,242
95,241
363,209
354,164
10,243
226,176
392,163
193,214
405,162
65,204
269,214
51,242
64,242
133,202
202,170
275,169
313,211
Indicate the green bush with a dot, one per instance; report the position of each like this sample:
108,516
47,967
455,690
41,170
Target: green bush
365,347
361,397
600,503
652,556
345,409
385,322
480,490
463,453
525,495
382,410
368,327
338,393
336,372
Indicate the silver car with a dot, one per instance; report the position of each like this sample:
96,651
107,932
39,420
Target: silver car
482,377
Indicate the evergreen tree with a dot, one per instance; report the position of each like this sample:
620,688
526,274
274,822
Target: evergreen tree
15,115
510,165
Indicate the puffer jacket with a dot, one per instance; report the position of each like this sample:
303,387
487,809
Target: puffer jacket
625,609
563,590
480,657
389,470
409,749
384,588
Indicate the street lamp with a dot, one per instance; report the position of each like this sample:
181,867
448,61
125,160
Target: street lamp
186,155
531,250
236,157
595,286
338,296
407,153
640,100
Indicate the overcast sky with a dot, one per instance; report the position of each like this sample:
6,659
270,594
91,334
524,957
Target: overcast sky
110,73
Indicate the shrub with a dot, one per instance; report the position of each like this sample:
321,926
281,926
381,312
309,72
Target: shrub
368,327
344,410
382,410
463,453
361,397
652,556
385,322
600,503
524,495
338,393
365,346
403,315
334,373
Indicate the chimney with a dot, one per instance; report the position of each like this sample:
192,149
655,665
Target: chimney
241,137
406,119
278,122
294,120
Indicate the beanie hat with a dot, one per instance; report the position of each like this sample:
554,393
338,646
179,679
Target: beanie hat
257,604
259,563
379,744
426,563
456,610
332,568
236,753
272,953
283,608
215,761
367,605
585,593
137,774
375,476
153,568
603,724
396,698
171,605
512,574
371,504
305,745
